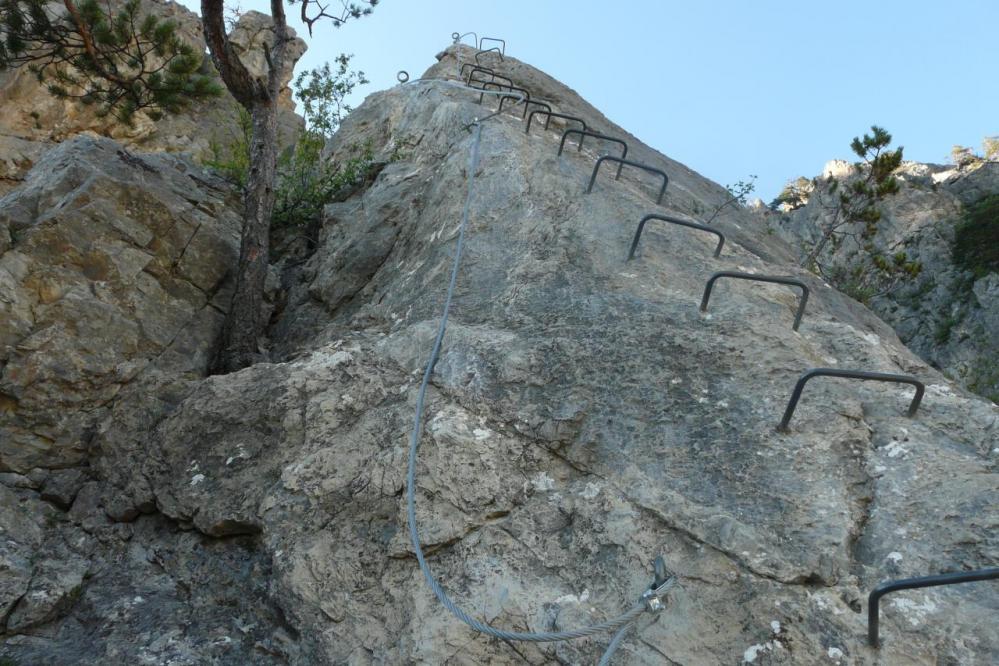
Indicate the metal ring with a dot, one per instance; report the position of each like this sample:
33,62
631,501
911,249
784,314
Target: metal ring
402,76
455,36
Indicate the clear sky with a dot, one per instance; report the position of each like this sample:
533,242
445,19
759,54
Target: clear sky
729,87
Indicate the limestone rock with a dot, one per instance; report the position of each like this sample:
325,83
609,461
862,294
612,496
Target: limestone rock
947,315
33,120
583,418
253,36
113,272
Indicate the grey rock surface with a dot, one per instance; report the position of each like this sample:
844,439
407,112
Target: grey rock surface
113,272
947,315
583,419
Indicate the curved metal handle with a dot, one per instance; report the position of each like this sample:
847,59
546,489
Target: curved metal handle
487,70
759,278
637,165
493,39
495,48
551,115
874,600
850,374
682,223
536,102
584,133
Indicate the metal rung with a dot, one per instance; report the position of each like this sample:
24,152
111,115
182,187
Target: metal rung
499,86
850,374
874,600
674,220
495,48
458,37
551,115
536,102
486,70
584,133
493,39
758,278
638,165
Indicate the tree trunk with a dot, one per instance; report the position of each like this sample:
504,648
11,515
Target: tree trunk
245,324
813,256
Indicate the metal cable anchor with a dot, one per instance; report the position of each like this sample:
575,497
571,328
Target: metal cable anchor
662,583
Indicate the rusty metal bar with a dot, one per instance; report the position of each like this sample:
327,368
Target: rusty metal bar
759,278
682,223
585,133
850,374
874,600
493,39
551,115
638,165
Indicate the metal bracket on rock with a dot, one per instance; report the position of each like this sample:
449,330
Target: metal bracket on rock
759,278
585,133
495,48
663,581
638,165
550,114
850,374
874,600
485,70
674,220
493,39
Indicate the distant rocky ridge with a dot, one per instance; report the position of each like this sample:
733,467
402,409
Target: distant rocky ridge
947,315
583,419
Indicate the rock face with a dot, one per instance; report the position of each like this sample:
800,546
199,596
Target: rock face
32,119
111,270
583,419
947,315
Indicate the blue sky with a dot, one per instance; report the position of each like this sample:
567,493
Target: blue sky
730,88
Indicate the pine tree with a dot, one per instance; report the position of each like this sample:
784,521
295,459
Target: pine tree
856,204
122,62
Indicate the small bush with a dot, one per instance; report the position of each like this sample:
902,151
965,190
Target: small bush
976,239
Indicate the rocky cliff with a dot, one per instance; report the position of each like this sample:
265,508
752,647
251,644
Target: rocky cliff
948,314
584,418
33,120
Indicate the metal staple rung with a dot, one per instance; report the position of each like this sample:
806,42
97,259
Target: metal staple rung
550,115
757,278
495,49
638,165
674,220
493,39
850,374
584,133
874,600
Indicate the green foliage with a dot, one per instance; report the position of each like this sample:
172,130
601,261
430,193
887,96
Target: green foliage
122,61
322,93
232,162
306,182
794,195
943,331
854,214
990,147
964,156
737,194
976,239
